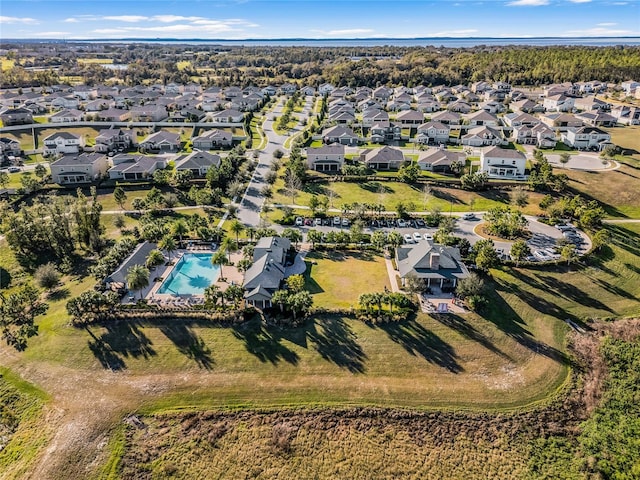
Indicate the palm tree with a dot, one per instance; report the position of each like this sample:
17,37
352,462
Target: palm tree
167,243
300,302
179,228
234,294
220,259
251,232
237,228
229,245
155,258
211,295
280,297
366,301
138,278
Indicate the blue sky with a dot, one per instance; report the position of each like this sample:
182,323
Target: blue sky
237,19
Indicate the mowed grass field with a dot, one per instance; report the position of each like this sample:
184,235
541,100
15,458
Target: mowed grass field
389,193
336,279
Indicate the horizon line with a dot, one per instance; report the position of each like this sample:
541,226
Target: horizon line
313,39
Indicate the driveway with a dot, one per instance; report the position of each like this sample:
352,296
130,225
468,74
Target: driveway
580,161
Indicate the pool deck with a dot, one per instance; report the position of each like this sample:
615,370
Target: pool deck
232,276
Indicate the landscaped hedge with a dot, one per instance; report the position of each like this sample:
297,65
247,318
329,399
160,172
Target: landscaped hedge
153,313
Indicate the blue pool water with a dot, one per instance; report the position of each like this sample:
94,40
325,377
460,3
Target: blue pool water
191,275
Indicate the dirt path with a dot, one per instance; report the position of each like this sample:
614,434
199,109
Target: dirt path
84,408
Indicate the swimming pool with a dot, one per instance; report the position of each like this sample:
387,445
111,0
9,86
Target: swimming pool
191,275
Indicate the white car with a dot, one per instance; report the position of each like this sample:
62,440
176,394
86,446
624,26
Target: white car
318,222
402,223
14,169
299,221
336,221
428,237
417,236
469,216
345,222
408,238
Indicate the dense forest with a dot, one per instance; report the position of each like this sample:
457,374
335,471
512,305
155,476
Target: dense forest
352,66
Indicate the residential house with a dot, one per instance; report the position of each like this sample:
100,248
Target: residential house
308,91
500,162
481,117
516,119
480,87
428,106
448,118
433,133
439,159
287,89
135,167
328,158
438,265
410,118
492,106
596,119
111,139
459,106
626,114
384,158
591,103
561,121
325,89
587,138
539,135
269,90
97,105
482,136
385,131
197,162
79,168
161,141
372,116
59,101
62,143
267,273
113,115
559,103
9,147
340,134
382,94
213,138
67,116
630,86
148,113
527,106
16,116
228,116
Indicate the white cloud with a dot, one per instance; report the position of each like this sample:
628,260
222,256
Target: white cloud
599,32
528,3
454,33
607,24
175,18
579,1
126,18
71,20
24,20
51,34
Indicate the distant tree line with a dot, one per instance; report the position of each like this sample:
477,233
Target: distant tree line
352,66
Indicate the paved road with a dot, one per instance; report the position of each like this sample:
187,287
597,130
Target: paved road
251,203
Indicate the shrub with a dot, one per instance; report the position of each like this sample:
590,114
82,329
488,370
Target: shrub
47,276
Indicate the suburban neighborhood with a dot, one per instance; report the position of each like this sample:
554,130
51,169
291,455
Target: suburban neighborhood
242,228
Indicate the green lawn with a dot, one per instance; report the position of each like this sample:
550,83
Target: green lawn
336,279
617,190
370,192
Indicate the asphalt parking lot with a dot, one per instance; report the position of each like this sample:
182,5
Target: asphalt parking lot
543,237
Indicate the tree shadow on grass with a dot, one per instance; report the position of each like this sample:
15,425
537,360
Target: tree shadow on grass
503,316
309,282
334,340
419,341
446,196
58,294
121,340
188,343
376,187
263,344
457,323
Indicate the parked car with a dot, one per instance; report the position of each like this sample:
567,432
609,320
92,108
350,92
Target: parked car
417,236
326,221
299,221
402,223
336,221
408,238
308,221
565,227
428,237
420,223
318,222
14,169
469,216
345,222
